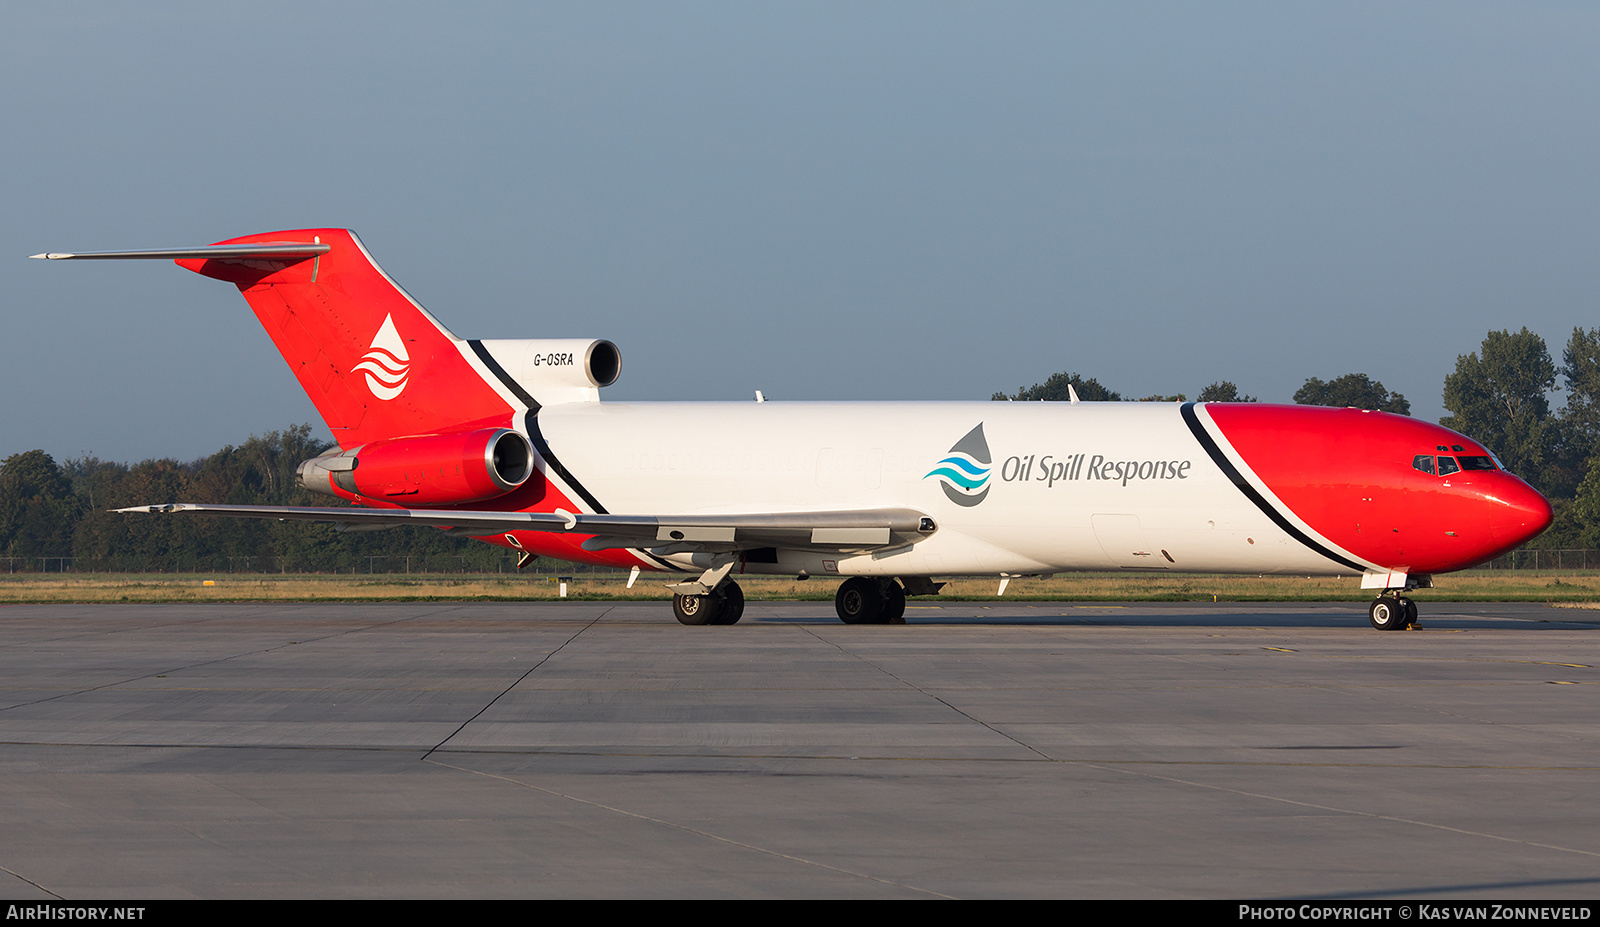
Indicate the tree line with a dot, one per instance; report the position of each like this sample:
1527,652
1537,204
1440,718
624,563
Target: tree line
1498,395
1352,389
53,510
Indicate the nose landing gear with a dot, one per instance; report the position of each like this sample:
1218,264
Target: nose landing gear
1392,612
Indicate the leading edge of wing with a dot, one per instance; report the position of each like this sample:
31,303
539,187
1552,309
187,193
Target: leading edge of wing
861,529
299,250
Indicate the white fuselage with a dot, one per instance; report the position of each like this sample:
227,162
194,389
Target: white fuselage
1058,494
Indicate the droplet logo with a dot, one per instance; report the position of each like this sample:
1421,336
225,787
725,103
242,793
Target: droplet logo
386,365
964,474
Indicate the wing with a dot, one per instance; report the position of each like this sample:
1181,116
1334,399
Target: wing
860,530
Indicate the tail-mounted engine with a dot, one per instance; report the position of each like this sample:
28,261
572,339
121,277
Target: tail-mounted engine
556,370
442,469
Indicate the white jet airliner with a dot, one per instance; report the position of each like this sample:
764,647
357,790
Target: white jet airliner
508,442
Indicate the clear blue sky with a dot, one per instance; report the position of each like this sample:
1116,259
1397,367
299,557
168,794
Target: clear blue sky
820,200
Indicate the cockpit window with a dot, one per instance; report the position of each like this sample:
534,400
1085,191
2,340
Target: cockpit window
1448,465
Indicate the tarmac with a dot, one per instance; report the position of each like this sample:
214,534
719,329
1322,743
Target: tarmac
982,750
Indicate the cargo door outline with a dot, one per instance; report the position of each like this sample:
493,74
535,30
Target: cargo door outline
1122,539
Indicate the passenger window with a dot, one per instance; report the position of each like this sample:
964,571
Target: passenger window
1423,462
1478,463
1447,466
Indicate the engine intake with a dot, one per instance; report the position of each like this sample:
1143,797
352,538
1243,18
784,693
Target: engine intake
426,470
558,370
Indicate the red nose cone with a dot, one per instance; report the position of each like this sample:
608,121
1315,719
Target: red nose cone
1524,515
1389,490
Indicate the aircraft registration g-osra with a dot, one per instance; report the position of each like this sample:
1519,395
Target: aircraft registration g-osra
508,442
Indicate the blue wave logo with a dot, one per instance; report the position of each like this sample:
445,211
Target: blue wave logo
962,472
964,475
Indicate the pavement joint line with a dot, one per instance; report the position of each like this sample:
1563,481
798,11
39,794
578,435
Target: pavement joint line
22,878
503,692
1408,658
924,692
696,831
82,635
1500,887
819,757
190,666
1471,719
1373,815
1116,711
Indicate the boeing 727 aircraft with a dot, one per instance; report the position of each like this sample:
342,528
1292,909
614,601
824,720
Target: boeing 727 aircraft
509,442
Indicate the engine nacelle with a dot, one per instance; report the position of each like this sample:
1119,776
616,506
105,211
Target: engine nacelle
425,470
555,370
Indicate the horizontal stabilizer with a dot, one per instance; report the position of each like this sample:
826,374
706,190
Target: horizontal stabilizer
259,250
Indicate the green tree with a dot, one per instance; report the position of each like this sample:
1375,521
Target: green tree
96,483
259,471
1055,390
1497,396
1224,391
1580,367
1578,522
1353,390
1572,443
36,507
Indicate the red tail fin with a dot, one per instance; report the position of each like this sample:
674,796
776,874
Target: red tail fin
375,364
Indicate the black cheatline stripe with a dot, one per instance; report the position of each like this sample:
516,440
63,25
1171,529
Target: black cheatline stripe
505,378
1223,463
543,447
534,434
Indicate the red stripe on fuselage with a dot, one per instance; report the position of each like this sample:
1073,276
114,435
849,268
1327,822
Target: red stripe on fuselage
1348,474
539,494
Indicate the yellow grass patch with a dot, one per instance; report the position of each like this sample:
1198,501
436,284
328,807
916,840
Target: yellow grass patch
1577,589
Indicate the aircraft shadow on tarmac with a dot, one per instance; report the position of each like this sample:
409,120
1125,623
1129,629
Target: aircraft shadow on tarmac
1437,616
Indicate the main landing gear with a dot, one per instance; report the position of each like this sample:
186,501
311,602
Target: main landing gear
1392,612
861,600
724,605
870,600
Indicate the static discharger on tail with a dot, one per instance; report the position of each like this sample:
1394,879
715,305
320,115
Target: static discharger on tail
508,442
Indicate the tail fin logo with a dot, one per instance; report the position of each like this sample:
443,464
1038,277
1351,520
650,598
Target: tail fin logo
387,364
964,474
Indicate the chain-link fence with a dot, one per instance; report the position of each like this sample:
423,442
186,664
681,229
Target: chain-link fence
1536,559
